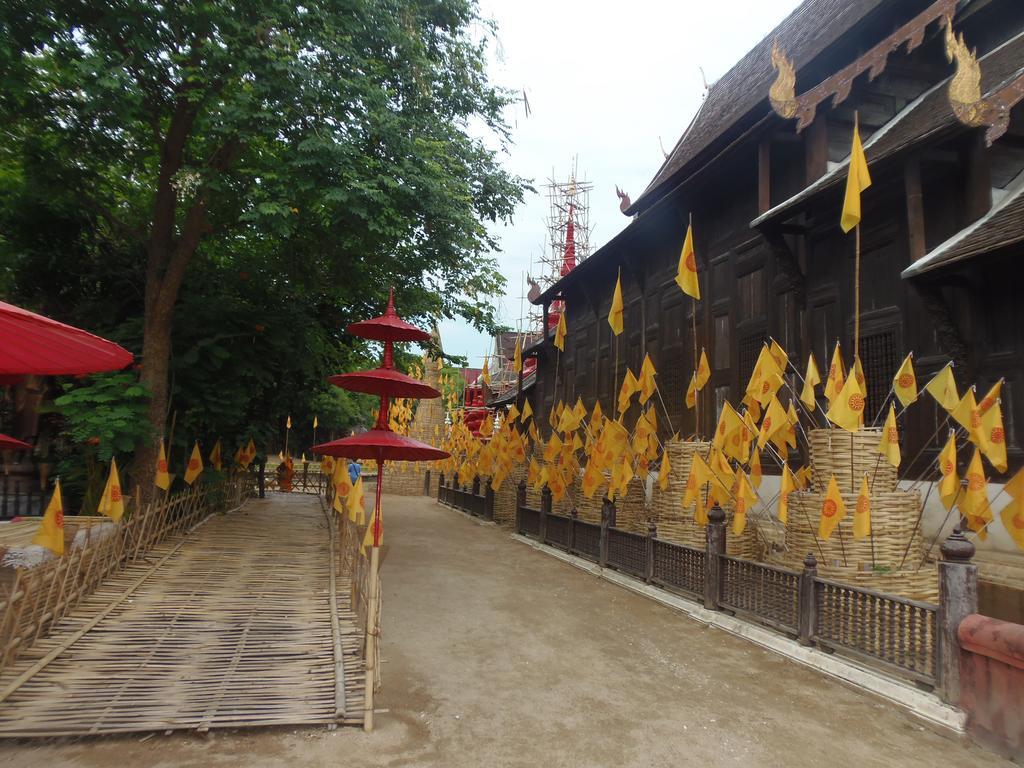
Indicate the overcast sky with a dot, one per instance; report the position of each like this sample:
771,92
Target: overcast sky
608,83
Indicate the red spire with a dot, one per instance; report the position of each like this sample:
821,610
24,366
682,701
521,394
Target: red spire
569,258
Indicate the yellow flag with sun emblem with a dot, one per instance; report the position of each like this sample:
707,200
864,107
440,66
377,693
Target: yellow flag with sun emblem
703,370
862,512
195,465
51,529
904,383
163,478
646,380
949,485
560,331
686,274
974,503
112,501
836,375
615,314
664,472
745,498
942,387
889,445
847,409
1012,516
832,510
993,437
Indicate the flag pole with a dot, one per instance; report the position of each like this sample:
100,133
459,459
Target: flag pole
696,392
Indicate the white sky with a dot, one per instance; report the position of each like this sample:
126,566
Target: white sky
605,81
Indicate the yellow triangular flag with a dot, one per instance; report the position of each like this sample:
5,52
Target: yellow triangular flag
943,388
889,445
560,332
836,375
615,316
991,397
847,409
1012,516
862,512
686,275
789,485
250,452
195,465
485,373
755,468
664,472
949,486
745,498
112,501
215,457
811,380
691,391
288,425
51,529
646,380
857,180
703,370
163,478
832,510
527,411
904,383
993,436
517,358
974,502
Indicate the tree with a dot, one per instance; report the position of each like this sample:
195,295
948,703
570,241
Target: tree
320,144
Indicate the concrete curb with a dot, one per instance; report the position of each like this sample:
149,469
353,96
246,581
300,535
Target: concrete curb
919,703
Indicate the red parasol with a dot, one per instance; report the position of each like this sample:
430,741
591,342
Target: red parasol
380,445
384,381
33,344
10,444
388,327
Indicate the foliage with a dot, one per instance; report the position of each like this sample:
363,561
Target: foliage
308,157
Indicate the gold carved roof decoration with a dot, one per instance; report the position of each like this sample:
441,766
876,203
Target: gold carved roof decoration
965,91
782,93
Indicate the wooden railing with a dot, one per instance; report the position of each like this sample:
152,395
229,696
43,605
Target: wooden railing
476,500
897,635
41,596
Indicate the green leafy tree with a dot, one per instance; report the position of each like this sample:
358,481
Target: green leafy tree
321,148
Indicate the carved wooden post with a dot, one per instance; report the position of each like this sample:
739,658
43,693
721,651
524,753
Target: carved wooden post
440,488
652,532
607,521
476,485
520,503
807,603
545,510
489,500
715,533
261,478
426,483
958,599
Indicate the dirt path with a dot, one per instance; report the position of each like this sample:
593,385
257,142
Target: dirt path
498,655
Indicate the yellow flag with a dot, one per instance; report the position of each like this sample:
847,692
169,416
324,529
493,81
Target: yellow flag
686,276
703,370
517,358
949,485
966,414
993,436
51,529
904,383
991,397
250,452
215,457
615,313
779,355
288,425
832,510
788,485
755,468
664,472
775,419
889,445
627,390
857,180
811,380
862,512
485,373
356,503
316,423
112,501
1012,516
745,498
560,332
836,375
691,392
943,388
374,536
596,415
646,380
195,465
974,503
513,414
163,478
700,513
847,410
527,412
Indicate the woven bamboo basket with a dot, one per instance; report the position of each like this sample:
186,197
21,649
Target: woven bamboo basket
893,524
677,524
505,497
403,479
850,456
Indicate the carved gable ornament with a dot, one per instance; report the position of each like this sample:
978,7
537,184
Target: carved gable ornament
782,93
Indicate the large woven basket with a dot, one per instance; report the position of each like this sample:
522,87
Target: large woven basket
872,562
677,524
850,456
505,497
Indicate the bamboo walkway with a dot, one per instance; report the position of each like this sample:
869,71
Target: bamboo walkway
230,626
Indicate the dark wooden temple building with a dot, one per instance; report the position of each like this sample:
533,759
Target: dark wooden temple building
763,180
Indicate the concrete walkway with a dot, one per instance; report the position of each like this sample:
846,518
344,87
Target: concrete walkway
498,655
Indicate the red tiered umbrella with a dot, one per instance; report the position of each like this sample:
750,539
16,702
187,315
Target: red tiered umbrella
33,344
10,444
384,381
381,445
388,327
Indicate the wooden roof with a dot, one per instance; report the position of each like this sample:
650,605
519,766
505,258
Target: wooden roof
804,34
926,116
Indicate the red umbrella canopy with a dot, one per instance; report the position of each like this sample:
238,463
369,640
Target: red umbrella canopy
10,444
33,344
386,382
380,445
388,327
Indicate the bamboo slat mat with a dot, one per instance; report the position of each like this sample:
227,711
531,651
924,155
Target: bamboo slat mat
229,626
